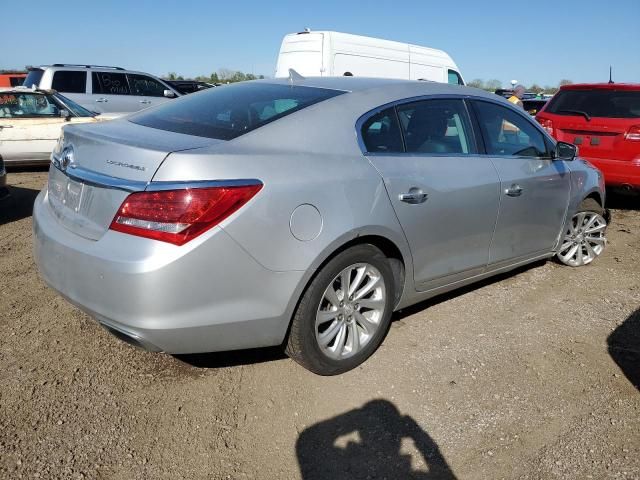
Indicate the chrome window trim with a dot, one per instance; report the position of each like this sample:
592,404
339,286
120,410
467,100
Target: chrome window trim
446,96
101,180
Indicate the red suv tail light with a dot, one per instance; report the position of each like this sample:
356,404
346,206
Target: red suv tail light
633,133
546,124
178,216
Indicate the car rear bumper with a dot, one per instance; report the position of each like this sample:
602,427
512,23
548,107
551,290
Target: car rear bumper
209,296
618,172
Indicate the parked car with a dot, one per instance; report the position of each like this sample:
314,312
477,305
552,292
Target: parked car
102,89
533,105
335,54
251,215
12,79
603,120
31,122
4,191
189,86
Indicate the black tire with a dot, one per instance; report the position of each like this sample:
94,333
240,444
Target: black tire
301,344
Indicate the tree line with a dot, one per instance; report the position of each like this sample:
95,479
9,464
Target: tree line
221,76
494,84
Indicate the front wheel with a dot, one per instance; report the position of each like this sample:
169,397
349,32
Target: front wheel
344,313
584,239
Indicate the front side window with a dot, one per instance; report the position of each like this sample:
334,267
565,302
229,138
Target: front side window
381,132
69,81
27,105
110,83
436,126
73,107
454,78
232,110
145,86
506,132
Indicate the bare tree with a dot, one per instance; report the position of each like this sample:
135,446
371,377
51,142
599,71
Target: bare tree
477,83
564,81
493,84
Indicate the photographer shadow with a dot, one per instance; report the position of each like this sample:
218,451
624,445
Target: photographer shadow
624,347
374,441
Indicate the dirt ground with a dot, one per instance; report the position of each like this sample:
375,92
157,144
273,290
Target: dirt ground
534,374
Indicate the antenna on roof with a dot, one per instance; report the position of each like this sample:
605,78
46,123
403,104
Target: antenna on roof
294,76
610,74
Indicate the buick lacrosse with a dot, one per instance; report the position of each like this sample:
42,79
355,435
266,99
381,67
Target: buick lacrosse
303,212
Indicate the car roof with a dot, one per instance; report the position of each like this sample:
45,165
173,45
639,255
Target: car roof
602,86
362,84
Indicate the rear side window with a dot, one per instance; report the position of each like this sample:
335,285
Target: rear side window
436,126
33,78
110,83
145,86
506,132
231,110
596,103
454,78
69,81
381,133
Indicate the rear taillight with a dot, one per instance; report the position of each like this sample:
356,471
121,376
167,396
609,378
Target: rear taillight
546,124
633,133
178,216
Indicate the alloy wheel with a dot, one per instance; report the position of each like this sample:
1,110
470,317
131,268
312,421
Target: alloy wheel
584,239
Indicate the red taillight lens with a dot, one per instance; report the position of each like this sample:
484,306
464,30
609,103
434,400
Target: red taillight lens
177,216
633,133
546,124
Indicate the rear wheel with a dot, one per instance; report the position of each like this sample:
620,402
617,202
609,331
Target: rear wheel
345,312
584,240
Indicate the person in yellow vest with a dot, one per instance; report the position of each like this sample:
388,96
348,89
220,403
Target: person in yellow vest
516,98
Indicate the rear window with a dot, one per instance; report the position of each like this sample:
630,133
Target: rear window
596,103
33,78
232,110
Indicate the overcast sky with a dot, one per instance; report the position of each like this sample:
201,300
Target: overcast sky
539,41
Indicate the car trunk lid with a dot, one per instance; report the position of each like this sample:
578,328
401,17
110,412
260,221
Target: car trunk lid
110,160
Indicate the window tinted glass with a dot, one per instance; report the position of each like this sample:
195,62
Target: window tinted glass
69,82
229,111
33,78
16,81
381,133
110,83
454,78
597,103
73,107
146,86
27,105
436,126
506,132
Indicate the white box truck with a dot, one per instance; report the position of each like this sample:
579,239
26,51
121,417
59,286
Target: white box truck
334,54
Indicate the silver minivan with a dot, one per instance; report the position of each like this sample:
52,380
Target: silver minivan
102,89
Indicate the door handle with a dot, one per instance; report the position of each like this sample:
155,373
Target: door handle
102,100
514,190
5,126
145,101
414,196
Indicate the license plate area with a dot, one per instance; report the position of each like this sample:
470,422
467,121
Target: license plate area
66,192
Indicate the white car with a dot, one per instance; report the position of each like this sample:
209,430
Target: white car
102,89
336,54
31,122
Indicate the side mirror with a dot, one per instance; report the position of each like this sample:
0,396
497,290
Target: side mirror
169,93
566,151
64,113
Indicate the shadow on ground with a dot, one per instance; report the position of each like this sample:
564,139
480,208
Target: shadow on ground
233,358
374,441
624,347
18,205
622,201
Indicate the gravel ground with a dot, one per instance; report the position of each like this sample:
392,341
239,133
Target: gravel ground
528,375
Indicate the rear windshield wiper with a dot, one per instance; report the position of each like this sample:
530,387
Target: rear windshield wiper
579,112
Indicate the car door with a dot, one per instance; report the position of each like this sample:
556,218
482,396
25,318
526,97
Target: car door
111,93
444,194
534,188
29,127
147,90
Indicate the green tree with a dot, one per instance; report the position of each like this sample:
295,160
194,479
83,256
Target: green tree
535,88
171,76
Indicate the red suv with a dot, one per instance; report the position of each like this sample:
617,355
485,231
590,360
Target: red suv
603,120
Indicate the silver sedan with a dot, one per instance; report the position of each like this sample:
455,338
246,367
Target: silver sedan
303,212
